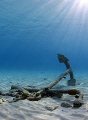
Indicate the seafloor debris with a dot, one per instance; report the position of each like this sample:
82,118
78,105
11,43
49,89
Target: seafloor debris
33,94
66,104
2,100
50,108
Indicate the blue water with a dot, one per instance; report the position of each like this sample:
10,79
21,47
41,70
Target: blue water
32,32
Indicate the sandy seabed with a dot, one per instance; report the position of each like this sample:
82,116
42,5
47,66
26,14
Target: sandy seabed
44,108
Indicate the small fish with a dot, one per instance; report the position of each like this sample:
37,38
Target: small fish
64,77
45,78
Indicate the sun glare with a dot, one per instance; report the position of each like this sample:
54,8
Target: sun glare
83,2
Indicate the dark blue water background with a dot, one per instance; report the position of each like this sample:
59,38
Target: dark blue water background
32,32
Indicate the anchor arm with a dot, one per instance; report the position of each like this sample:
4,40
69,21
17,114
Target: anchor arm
63,59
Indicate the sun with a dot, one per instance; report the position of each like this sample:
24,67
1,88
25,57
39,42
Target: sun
83,2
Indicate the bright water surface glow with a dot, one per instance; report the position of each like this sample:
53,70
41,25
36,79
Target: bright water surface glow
84,2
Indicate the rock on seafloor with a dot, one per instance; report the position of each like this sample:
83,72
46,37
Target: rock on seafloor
66,104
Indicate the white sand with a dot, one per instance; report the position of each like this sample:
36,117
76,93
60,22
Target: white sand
39,110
